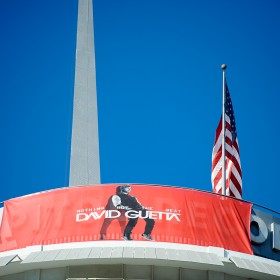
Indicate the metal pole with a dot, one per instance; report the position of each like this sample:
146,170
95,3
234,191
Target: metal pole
223,132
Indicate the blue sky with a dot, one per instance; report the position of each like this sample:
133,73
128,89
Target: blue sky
159,86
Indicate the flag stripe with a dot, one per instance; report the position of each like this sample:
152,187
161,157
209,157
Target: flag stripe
232,157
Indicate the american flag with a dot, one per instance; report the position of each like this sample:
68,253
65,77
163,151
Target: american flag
232,159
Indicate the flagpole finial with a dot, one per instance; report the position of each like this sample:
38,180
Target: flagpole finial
224,66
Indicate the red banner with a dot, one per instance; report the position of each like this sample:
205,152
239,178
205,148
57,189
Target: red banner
163,214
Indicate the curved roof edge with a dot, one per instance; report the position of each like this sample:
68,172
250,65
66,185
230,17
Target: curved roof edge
138,253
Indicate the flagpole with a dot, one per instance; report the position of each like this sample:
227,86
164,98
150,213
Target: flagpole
223,132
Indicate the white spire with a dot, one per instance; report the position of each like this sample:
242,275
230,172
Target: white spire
84,159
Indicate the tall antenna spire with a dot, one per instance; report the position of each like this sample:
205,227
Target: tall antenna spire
84,159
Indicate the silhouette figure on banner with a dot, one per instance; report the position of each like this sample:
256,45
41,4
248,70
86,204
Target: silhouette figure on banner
128,202
112,204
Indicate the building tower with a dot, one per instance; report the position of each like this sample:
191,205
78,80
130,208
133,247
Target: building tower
57,234
84,159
